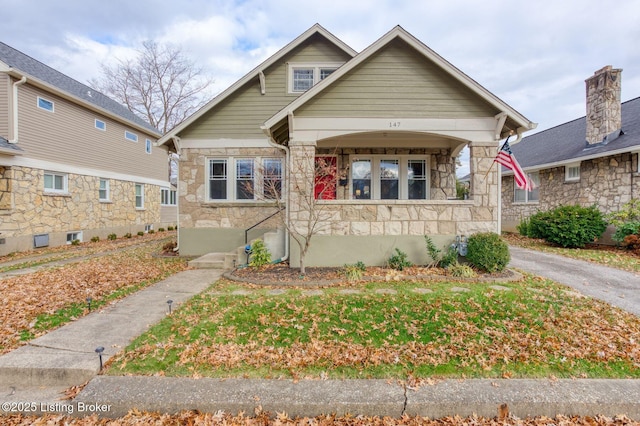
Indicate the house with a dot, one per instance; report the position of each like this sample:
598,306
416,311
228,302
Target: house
392,119
592,160
74,164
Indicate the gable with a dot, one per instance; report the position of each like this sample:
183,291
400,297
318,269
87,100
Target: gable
397,81
241,114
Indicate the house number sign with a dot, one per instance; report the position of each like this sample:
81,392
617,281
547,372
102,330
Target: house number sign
394,124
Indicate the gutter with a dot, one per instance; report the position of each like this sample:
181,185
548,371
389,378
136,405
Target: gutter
14,105
286,192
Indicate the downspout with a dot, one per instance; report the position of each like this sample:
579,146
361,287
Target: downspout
15,108
286,192
176,144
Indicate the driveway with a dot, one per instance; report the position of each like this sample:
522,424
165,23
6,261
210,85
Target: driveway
616,287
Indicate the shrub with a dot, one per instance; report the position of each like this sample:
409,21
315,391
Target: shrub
438,259
487,251
622,231
151,231
354,272
568,226
170,247
140,233
399,261
629,212
260,254
112,237
95,239
75,242
160,229
524,227
170,228
632,242
461,271
127,235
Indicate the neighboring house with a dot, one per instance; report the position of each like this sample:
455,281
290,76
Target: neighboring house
74,164
592,160
392,118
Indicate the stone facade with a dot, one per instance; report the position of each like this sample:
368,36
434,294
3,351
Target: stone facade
606,182
32,211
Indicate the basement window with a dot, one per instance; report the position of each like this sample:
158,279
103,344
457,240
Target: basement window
74,236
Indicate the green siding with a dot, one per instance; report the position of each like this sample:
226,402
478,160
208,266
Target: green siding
242,113
397,82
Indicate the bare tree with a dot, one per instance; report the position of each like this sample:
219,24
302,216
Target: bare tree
161,85
310,185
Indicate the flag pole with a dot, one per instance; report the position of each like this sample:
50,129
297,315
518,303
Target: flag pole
501,146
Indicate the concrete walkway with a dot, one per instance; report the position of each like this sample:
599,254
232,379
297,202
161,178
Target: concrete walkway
616,287
37,373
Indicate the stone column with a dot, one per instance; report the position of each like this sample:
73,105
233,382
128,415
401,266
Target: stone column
484,176
301,182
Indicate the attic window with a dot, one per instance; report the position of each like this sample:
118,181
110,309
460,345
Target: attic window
45,104
302,77
572,172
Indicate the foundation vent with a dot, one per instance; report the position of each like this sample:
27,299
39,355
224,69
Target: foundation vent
41,240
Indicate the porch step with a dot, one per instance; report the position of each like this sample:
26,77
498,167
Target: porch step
209,261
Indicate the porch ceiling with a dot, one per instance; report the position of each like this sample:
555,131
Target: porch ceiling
392,139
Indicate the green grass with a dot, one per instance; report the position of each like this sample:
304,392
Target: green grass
537,329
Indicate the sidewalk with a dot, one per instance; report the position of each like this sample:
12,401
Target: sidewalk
36,375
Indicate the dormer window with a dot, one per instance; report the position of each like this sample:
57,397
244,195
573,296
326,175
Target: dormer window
302,77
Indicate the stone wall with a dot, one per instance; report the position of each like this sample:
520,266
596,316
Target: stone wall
36,212
605,182
194,209
5,188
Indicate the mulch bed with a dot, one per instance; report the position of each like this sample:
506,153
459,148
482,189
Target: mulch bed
282,275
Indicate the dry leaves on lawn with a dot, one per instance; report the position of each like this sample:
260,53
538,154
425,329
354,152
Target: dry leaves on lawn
25,297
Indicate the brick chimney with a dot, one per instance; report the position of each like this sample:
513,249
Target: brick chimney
604,117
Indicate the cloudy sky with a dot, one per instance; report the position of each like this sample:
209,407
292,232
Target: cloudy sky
535,55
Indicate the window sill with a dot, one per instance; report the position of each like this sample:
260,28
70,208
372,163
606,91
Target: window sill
140,209
525,203
56,194
106,202
224,203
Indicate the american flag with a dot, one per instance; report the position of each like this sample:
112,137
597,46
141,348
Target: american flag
507,159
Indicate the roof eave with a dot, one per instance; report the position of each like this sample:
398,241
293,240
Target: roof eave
317,28
632,149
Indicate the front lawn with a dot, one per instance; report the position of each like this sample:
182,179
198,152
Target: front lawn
531,328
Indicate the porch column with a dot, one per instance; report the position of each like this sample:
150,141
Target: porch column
301,180
484,186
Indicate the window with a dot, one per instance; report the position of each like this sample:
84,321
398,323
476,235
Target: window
244,178
74,236
103,192
101,125
523,196
302,77
55,182
272,178
45,104
167,197
245,185
131,136
148,228
389,178
148,144
572,172
139,196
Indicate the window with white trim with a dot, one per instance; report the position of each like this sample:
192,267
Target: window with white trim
524,196
139,196
302,77
167,197
389,177
148,145
45,104
130,136
100,125
243,179
572,172
104,190
56,182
